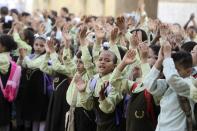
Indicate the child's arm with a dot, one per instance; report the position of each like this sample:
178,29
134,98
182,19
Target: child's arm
186,25
60,68
113,43
67,56
108,103
180,85
85,94
20,42
88,62
117,80
156,87
86,57
100,34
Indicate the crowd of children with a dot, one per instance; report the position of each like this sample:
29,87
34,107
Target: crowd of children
61,72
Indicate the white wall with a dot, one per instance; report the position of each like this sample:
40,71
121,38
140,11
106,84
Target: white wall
176,11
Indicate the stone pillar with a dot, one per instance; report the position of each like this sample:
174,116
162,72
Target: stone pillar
110,8
95,7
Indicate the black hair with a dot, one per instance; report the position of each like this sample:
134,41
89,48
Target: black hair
29,36
65,9
122,52
5,30
14,11
155,49
7,24
67,19
54,13
4,10
115,58
25,14
182,58
188,46
144,35
8,42
177,24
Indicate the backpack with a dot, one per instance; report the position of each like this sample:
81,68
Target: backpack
12,85
144,113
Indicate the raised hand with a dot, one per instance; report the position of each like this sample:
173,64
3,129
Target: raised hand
82,35
41,28
114,35
192,16
164,30
66,39
121,24
80,84
143,50
22,53
102,91
17,26
100,33
129,58
167,49
49,46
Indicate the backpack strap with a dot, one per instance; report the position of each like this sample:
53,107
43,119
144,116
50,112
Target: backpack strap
185,106
11,88
150,108
133,87
13,69
48,84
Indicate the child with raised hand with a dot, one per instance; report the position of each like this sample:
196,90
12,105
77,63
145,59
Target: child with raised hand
177,70
141,110
81,118
33,99
10,74
62,69
94,93
20,37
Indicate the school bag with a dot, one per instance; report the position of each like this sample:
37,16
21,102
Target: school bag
12,85
141,112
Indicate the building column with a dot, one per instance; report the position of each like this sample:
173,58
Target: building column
95,7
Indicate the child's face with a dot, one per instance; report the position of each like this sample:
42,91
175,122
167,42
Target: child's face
152,58
39,46
183,72
194,55
105,63
80,65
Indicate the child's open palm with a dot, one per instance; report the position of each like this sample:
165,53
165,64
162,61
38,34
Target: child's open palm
167,49
114,35
129,58
143,50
